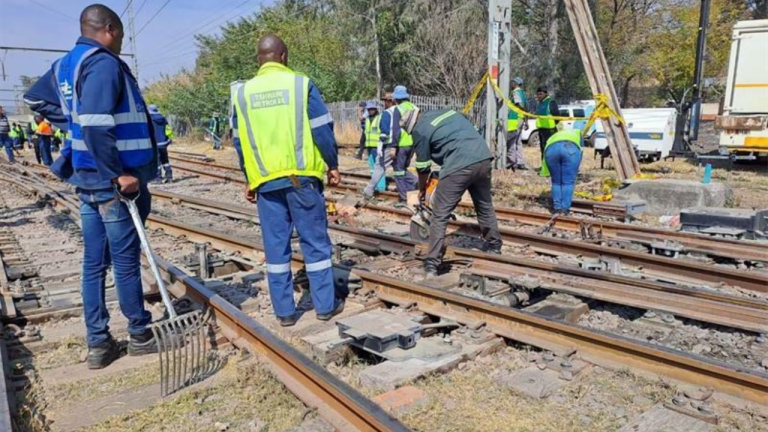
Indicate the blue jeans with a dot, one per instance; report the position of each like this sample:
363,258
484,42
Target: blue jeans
404,179
563,160
44,142
7,142
303,208
372,159
216,143
109,237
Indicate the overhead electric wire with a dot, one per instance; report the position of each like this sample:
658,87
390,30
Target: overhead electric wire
138,11
127,5
180,39
153,17
48,7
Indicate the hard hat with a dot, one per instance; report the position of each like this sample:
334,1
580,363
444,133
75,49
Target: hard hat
518,80
401,93
371,105
153,108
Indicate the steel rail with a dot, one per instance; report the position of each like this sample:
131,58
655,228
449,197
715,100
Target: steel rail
728,248
736,312
595,346
337,402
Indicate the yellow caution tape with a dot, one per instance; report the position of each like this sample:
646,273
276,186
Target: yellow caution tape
602,109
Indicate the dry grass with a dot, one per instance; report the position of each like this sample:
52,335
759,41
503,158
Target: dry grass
245,395
603,401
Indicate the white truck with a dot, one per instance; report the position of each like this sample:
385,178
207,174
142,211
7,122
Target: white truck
743,124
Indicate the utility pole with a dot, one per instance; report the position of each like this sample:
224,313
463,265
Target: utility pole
499,37
132,38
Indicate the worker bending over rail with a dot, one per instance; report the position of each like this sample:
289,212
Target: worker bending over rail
287,140
91,94
448,139
562,157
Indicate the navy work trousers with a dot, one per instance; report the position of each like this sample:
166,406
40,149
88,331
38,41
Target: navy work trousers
303,208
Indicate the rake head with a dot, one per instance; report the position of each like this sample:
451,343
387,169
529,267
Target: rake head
183,349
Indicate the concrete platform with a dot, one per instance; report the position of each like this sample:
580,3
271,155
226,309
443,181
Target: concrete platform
669,196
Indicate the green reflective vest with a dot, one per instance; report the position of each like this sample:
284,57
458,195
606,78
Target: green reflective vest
12,133
513,117
543,109
571,135
274,127
406,140
169,132
372,131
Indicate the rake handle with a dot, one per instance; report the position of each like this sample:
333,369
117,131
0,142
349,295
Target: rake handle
134,211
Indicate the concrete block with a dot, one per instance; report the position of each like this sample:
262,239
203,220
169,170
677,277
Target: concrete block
391,374
533,382
401,400
661,419
669,196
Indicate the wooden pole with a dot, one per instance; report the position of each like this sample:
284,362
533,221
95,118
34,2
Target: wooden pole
600,82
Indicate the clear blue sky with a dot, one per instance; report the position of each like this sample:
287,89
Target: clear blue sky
165,46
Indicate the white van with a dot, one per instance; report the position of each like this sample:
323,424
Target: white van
651,130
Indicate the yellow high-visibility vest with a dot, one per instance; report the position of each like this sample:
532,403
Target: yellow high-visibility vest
274,127
372,131
543,109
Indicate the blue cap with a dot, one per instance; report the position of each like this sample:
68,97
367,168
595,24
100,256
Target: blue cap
371,105
153,108
518,80
401,93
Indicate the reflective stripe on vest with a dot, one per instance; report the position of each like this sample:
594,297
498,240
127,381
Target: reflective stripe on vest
129,124
372,131
406,140
543,109
272,115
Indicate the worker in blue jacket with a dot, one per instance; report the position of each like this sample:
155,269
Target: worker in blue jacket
91,94
160,124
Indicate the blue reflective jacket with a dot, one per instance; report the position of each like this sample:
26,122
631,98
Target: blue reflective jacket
128,120
159,122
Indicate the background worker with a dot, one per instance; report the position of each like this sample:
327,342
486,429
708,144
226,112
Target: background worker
13,137
397,104
287,138
547,107
378,157
448,139
214,127
5,139
32,140
163,141
562,157
57,141
516,123
362,115
109,109
44,134
20,136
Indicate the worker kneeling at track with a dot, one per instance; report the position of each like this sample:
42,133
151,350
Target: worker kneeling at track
562,157
287,140
448,139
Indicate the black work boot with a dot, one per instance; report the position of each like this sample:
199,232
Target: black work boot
494,248
327,316
288,321
103,354
430,269
142,344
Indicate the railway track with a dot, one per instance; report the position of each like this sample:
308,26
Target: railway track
674,269
553,335
338,403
